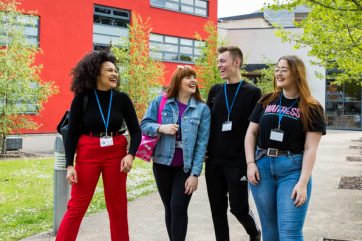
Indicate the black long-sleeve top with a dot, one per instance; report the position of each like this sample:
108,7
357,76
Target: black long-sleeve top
90,120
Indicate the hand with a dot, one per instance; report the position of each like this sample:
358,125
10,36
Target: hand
191,184
299,194
253,173
126,163
71,175
169,129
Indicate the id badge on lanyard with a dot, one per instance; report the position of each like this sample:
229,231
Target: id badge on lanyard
228,125
106,141
276,135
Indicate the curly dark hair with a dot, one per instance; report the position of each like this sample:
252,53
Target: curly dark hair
85,73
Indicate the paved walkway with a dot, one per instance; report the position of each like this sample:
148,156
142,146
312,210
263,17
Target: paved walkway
333,213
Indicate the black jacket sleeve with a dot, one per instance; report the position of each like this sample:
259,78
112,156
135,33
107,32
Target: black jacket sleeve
75,120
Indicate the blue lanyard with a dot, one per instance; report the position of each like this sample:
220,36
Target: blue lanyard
282,113
226,99
109,109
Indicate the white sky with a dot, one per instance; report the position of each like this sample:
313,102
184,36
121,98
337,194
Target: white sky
228,8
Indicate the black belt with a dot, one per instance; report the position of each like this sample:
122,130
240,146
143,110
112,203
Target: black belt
101,134
272,152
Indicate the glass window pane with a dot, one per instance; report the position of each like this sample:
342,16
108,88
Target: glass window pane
199,3
191,2
200,11
171,40
334,93
186,50
187,58
352,108
156,46
168,56
352,92
170,48
343,115
99,9
187,9
156,55
156,37
158,2
187,42
120,23
121,13
199,44
197,51
173,6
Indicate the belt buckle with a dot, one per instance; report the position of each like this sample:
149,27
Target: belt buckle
273,152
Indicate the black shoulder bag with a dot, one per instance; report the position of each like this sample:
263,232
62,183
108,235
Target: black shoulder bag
63,125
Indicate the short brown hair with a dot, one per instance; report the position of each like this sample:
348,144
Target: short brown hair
234,51
181,72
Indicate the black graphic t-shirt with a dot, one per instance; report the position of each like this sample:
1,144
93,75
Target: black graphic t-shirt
291,125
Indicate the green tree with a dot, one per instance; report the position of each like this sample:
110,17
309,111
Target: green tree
206,65
333,31
20,82
265,80
141,76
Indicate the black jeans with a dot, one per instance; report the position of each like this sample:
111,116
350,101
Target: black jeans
220,182
171,186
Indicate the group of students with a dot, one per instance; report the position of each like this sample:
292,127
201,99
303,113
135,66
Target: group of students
265,143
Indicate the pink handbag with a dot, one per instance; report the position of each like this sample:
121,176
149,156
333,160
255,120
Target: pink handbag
148,143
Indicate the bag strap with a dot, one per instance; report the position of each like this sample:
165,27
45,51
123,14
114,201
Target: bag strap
160,108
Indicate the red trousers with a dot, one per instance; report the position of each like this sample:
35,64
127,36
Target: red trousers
91,161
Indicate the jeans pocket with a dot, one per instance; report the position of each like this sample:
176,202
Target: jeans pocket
296,158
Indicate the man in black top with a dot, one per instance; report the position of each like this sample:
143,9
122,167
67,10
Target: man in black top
231,104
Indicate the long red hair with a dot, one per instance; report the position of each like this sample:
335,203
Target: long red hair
310,108
181,72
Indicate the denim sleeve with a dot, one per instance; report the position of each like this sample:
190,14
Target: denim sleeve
201,141
149,123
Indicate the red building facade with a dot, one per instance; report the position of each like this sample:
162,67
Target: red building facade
69,29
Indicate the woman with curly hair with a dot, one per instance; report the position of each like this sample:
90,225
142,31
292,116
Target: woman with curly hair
94,134
286,125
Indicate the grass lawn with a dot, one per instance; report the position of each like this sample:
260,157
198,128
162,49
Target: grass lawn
26,195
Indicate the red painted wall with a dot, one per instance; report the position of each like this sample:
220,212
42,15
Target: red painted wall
66,34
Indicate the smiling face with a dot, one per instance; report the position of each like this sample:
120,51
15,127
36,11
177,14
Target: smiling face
188,85
108,76
284,78
227,65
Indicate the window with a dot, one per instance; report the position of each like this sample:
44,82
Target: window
110,26
176,49
343,105
298,17
28,24
23,105
195,7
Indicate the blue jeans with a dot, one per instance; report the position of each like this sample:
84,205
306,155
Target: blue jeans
280,219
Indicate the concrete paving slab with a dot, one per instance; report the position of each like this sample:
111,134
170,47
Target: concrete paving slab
333,213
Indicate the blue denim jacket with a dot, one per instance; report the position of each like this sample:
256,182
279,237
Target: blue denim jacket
195,126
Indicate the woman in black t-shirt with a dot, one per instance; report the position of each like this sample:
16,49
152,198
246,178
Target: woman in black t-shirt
285,129
96,116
